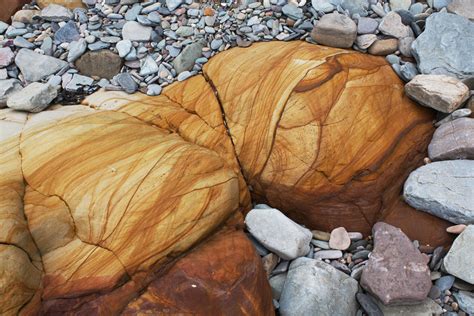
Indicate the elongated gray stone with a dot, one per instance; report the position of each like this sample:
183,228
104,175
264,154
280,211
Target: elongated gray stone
445,46
453,140
459,261
313,287
444,189
278,233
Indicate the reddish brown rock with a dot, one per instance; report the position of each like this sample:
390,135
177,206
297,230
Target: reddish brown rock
453,140
9,7
396,273
201,284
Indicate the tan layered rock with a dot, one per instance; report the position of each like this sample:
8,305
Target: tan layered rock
71,4
325,135
113,207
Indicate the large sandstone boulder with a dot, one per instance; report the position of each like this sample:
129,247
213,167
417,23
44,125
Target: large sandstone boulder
113,207
324,134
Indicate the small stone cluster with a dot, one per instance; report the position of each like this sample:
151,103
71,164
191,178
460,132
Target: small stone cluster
131,45
319,273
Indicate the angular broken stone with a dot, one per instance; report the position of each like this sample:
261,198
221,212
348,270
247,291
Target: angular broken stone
33,98
8,87
6,56
453,140
56,13
313,287
278,233
459,259
392,25
186,59
443,189
35,67
440,92
396,273
335,30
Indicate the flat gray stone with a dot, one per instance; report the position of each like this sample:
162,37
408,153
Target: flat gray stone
185,60
278,233
444,189
400,4
427,308
20,42
440,92
359,7
459,259
323,5
173,4
367,25
328,254
124,47
56,13
78,82
35,67
148,66
127,83
33,98
313,287
292,11
134,31
453,140
466,301
68,33
445,46
8,87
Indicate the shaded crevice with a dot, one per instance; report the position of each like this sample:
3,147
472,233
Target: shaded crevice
226,125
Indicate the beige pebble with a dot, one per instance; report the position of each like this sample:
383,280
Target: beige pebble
339,239
317,234
456,229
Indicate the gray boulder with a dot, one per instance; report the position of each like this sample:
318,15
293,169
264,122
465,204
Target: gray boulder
335,30
278,233
460,258
314,287
453,140
444,189
33,98
35,67
445,46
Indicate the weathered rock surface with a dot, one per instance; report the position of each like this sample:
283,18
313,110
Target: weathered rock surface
440,92
362,134
7,87
453,140
458,261
278,233
92,252
466,301
451,37
464,8
70,4
35,67
313,287
444,189
102,63
396,273
335,30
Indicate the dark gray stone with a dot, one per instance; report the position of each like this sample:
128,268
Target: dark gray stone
68,33
369,305
127,83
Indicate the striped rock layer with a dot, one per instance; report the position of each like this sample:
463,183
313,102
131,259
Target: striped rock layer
131,204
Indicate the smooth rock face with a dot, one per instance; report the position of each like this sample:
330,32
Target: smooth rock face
102,63
35,97
453,140
440,92
335,30
383,47
392,25
134,31
35,67
339,239
451,37
458,261
318,93
444,189
313,287
185,60
278,233
396,273
464,8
